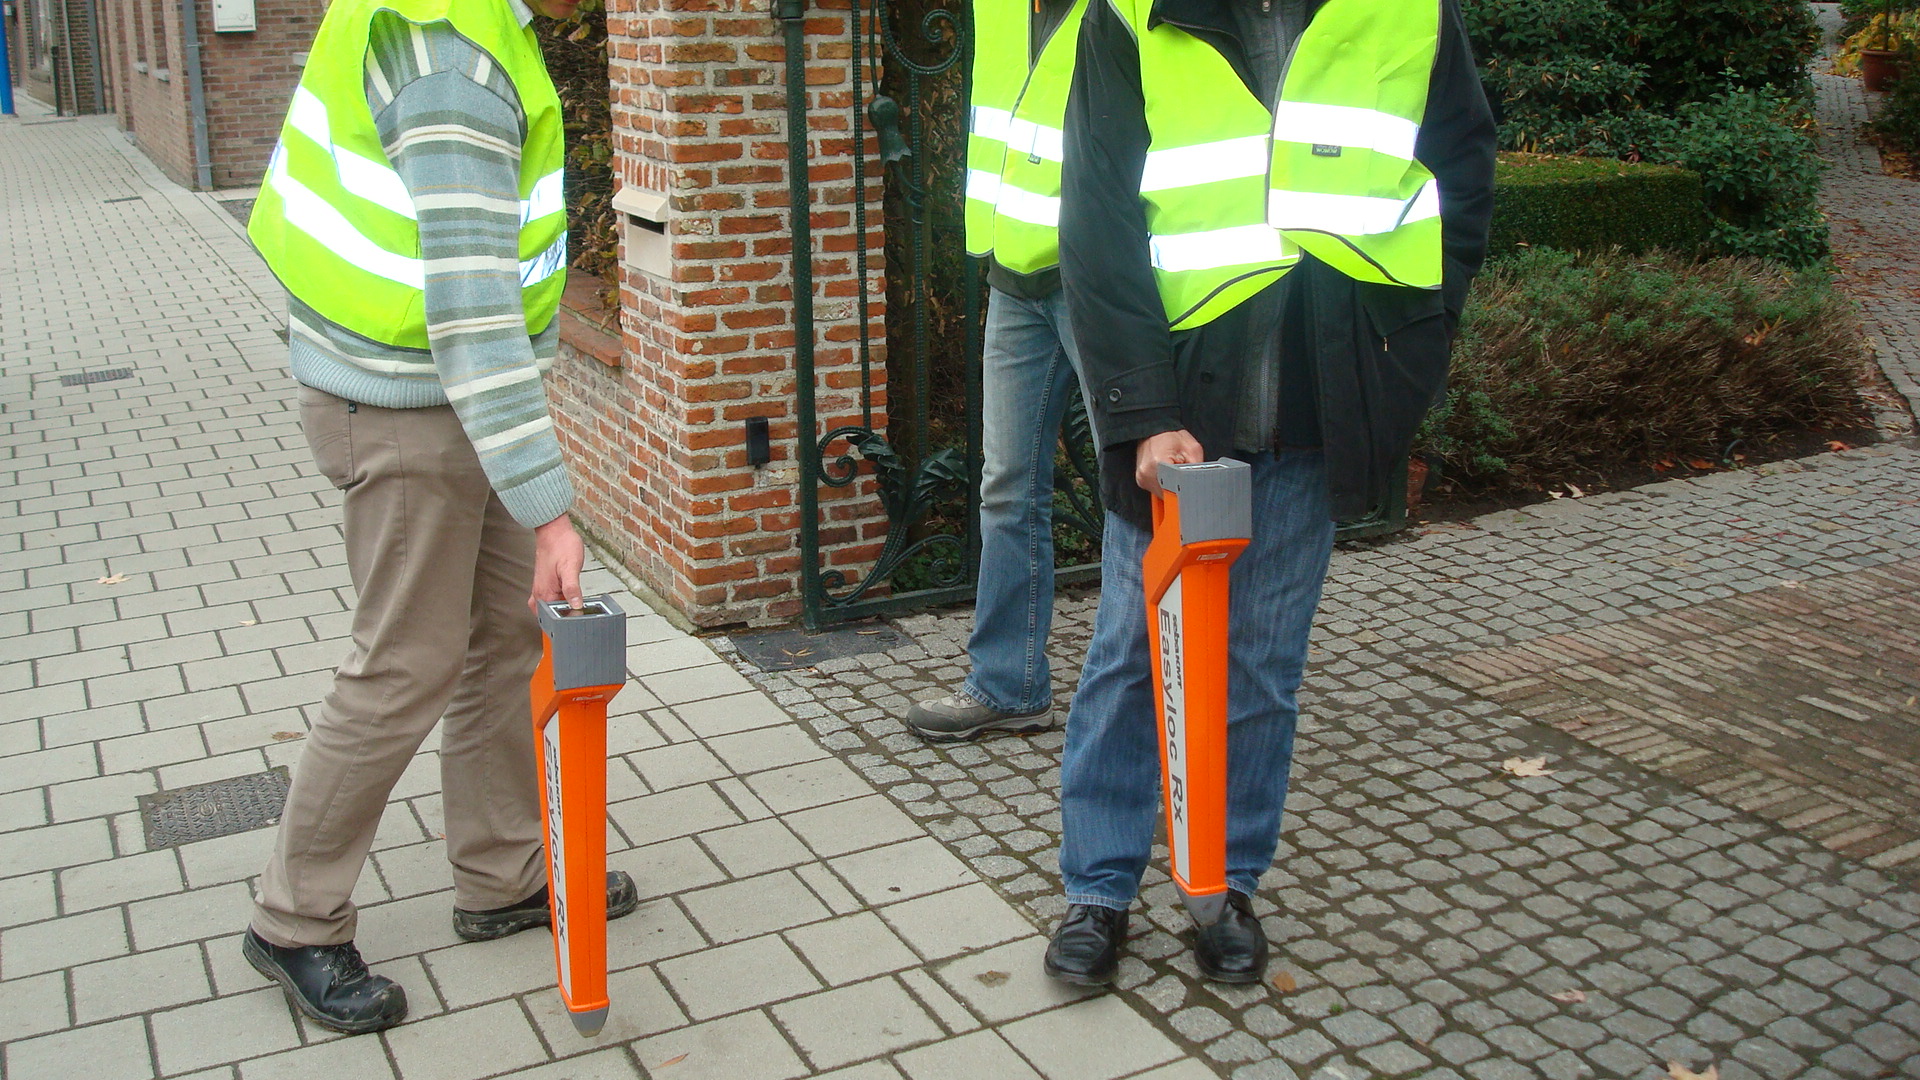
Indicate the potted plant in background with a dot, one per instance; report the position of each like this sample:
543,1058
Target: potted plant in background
1880,67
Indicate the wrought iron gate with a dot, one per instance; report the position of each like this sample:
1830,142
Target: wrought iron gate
910,92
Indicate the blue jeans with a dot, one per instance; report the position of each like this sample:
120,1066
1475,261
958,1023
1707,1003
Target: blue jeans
1027,379
1110,769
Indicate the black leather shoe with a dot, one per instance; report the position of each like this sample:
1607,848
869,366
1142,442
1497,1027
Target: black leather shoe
622,898
1085,950
1233,950
330,984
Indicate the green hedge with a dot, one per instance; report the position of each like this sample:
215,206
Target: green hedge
1593,204
1568,364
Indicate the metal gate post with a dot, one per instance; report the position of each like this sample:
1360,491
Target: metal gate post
792,15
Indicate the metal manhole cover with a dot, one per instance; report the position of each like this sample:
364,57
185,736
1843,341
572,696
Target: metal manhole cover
222,808
785,650
88,378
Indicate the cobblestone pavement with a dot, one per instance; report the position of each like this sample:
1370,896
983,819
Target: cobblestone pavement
1428,904
172,600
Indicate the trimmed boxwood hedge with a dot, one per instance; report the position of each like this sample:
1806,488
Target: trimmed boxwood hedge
1595,204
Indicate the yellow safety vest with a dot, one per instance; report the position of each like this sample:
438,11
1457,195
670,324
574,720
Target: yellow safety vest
1234,192
334,220
1014,139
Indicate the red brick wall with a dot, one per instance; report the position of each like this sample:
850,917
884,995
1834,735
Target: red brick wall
658,446
153,108
248,78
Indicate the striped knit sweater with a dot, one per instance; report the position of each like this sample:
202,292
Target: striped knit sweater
453,127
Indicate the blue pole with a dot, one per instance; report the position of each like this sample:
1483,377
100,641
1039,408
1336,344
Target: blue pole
6,69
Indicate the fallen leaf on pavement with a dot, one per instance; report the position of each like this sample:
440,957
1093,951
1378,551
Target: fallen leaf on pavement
1571,997
1574,490
249,622
675,1060
1836,444
1527,766
113,580
1789,583
1677,1071
284,736
992,978
1283,982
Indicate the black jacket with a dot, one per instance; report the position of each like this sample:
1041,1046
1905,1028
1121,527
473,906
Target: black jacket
1378,352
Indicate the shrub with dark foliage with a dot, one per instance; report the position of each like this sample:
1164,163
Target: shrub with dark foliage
1695,50
1570,362
1717,86
576,55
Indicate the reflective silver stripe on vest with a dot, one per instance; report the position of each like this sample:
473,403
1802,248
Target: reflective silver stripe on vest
1204,163
1350,215
374,181
545,198
991,123
983,185
327,226
546,264
378,183
1013,202
1021,136
1235,246
1345,126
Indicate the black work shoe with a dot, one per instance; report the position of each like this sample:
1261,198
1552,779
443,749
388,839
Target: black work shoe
622,897
961,717
1233,950
1085,950
329,983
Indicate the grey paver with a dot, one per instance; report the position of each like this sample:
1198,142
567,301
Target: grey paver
114,1051
851,948
223,1030
741,975
62,943
1056,1041
859,1021
465,1045
745,1046
323,1061
143,982
980,1054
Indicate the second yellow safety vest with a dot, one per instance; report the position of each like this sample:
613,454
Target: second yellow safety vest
1014,139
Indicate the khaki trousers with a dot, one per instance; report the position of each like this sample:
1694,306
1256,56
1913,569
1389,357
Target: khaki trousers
440,629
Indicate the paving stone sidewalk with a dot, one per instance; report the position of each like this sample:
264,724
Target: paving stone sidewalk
172,601
1873,218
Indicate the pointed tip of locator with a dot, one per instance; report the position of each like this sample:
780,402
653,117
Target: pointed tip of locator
589,1023
1206,910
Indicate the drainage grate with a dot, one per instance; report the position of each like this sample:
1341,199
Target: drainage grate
222,808
88,378
785,650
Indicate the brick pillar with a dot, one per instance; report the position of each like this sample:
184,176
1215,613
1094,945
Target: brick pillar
658,443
